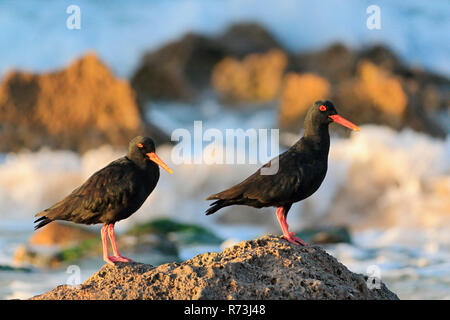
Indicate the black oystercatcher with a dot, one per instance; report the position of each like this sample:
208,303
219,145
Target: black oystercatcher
111,194
301,171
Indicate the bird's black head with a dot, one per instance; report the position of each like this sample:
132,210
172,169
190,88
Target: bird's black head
321,114
141,150
141,144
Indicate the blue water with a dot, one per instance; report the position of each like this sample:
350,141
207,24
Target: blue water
33,34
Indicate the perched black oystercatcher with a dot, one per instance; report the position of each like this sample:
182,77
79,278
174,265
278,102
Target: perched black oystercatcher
111,194
301,170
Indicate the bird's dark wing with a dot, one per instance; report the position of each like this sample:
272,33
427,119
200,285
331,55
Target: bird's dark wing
266,188
105,191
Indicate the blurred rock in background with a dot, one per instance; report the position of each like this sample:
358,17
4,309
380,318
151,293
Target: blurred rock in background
77,108
182,69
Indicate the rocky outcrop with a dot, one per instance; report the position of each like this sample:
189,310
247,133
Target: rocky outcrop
255,79
246,66
176,71
335,63
299,92
182,69
266,268
371,85
373,96
80,107
62,234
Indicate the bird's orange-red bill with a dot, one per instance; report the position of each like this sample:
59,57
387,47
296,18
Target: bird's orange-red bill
152,156
338,119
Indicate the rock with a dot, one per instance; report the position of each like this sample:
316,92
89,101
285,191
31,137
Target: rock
45,246
182,69
37,256
58,233
7,268
381,56
427,90
177,71
256,79
242,39
265,268
299,92
179,232
374,96
377,96
325,235
335,63
58,244
80,107
393,94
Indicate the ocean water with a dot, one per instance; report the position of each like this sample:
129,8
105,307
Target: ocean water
391,188
33,34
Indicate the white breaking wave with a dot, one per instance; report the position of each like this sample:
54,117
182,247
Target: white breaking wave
377,177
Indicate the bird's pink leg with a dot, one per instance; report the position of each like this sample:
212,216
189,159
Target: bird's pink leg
289,236
117,257
106,257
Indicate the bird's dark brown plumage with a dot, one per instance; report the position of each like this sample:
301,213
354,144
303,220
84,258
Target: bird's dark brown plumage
111,194
301,171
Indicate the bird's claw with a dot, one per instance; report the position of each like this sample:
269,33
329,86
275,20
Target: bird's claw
120,258
111,260
293,239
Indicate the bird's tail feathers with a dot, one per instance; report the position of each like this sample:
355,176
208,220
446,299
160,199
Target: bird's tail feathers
217,205
43,221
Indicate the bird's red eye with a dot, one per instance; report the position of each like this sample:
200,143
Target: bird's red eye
140,145
322,108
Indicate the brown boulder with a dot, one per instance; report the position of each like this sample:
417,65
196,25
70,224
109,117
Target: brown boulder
374,96
44,246
182,69
382,57
256,79
336,63
178,70
426,92
58,233
242,39
377,96
265,268
299,92
77,108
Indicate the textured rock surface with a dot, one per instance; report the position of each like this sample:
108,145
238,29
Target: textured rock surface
265,268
